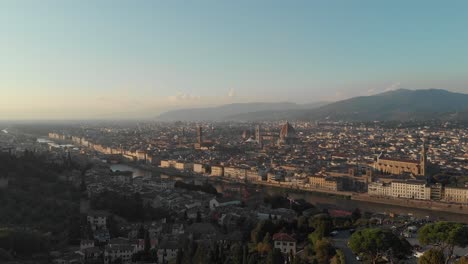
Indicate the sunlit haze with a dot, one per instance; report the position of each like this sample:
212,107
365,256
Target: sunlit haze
136,59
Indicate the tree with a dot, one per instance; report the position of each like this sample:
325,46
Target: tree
323,251
308,253
298,260
236,254
339,258
89,231
117,261
302,224
74,229
200,256
189,249
444,236
258,233
112,226
179,256
5,255
198,217
147,242
83,185
253,259
432,256
153,255
265,246
141,232
356,214
322,225
275,257
23,242
244,254
376,243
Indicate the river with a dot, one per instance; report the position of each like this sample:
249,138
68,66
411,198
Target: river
318,199
135,171
324,201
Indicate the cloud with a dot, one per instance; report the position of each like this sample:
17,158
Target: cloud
384,88
393,86
183,97
371,91
231,92
338,95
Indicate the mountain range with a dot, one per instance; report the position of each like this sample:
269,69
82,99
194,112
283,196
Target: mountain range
230,111
401,104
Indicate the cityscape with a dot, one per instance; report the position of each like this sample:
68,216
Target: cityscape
233,132
214,182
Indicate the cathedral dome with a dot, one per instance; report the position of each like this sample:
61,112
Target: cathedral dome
287,131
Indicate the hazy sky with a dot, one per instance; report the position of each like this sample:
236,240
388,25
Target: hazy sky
107,59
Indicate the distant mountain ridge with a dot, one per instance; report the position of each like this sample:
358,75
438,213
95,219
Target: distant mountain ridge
401,104
224,112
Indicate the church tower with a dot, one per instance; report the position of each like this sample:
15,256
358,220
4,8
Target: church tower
423,159
199,135
258,136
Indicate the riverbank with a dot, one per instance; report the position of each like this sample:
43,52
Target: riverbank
287,188
428,206
409,203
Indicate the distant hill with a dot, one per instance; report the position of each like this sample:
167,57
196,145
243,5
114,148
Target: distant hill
230,111
400,104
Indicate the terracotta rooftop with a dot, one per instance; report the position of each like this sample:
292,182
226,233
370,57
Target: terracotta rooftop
283,237
400,160
287,131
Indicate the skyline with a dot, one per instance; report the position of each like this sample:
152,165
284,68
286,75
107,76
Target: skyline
121,59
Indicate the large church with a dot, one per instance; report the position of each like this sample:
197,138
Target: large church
395,166
287,135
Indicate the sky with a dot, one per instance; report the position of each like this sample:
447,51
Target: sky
99,59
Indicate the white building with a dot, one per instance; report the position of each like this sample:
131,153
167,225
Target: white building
123,252
167,251
200,168
418,190
84,244
97,220
168,163
379,189
235,172
411,189
183,166
456,195
217,171
285,243
220,202
253,175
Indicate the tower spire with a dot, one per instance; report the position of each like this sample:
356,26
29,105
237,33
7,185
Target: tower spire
423,158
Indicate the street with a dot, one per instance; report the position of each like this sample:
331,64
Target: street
341,242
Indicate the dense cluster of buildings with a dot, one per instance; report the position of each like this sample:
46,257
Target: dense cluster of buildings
198,216
332,157
429,164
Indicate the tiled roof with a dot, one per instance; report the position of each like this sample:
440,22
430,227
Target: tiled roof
283,237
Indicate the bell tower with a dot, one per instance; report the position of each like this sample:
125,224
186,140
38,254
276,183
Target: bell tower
258,136
199,134
423,160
